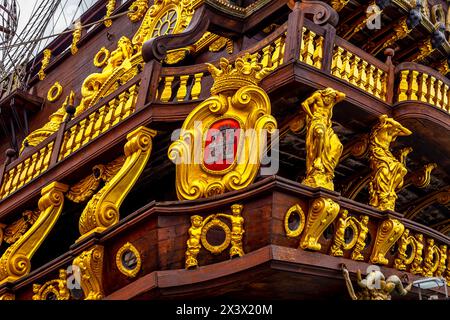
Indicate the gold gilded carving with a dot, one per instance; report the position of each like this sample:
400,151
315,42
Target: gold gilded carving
101,58
295,209
7,296
220,44
338,5
403,260
432,259
199,230
90,263
375,286
138,9
102,211
358,240
76,36
388,233
321,214
110,6
15,261
55,120
122,255
238,101
442,261
55,92
420,178
387,171
57,288
85,188
416,267
47,54
323,146
17,229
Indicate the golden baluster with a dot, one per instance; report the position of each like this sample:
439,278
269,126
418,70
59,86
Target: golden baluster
197,87
403,86
371,79
71,141
309,48
363,75
39,163
439,93
283,48
8,184
47,157
16,180
32,168
354,73
445,93
23,174
63,149
109,115
79,137
318,53
6,179
345,72
302,45
89,128
266,57
381,84
413,86
98,125
431,90
167,92
130,104
182,90
276,53
337,64
423,88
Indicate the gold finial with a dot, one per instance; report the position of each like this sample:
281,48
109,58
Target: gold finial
246,71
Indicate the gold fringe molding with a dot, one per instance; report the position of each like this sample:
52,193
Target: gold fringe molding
90,263
102,211
15,262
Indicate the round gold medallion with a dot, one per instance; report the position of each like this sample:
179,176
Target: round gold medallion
55,92
128,260
216,249
101,58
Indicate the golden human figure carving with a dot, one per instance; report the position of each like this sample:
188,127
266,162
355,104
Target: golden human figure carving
361,240
323,146
237,229
339,237
387,171
193,243
93,83
416,267
442,261
375,286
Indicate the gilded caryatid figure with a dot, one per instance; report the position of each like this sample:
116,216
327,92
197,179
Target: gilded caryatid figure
387,171
323,146
193,243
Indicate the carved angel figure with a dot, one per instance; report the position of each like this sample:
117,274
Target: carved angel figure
387,171
323,146
375,286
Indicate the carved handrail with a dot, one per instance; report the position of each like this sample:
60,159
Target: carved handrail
420,83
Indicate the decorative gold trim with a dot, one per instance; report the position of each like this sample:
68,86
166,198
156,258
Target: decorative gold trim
90,263
76,37
55,92
15,262
216,249
110,6
388,233
200,227
138,9
7,297
299,211
102,211
58,287
321,214
17,229
98,62
129,273
47,54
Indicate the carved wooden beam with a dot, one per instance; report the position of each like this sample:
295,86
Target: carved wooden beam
414,208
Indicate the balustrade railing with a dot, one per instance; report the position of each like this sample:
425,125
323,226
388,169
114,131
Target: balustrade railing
420,83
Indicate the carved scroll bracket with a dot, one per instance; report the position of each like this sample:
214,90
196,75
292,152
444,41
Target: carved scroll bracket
320,12
388,233
90,263
102,211
15,262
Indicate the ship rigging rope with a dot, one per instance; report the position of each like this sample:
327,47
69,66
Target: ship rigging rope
65,32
